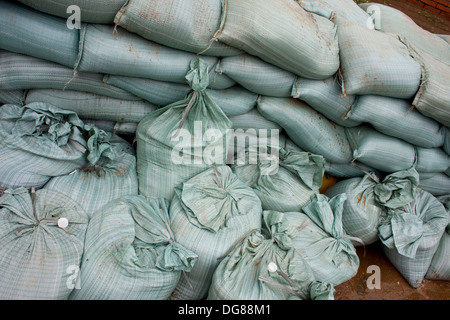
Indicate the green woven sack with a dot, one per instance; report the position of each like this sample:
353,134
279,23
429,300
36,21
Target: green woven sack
286,186
432,160
233,100
411,235
108,50
208,214
321,240
375,63
368,198
28,31
380,151
42,234
19,71
325,96
92,11
437,185
130,253
39,141
110,174
92,106
257,75
283,34
194,126
309,129
395,118
264,265
184,25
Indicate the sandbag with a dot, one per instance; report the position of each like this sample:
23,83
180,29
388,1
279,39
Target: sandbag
264,265
385,153
432,160
284,180
43,235
126,129
396,118
110,174
308,128
12,97
130,253
368,199
446,145
208,213
325,96
432,97
440,264
265,30
18,71
183,25
46,141
30,32
234,100
394,21
195,126
381,66
348,170
257,75
322,240
345,8
437,185
104,49
92,11
93,106
411,235
253,120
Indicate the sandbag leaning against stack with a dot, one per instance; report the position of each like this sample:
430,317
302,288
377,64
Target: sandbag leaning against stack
368,199
284,180
208,213
440,264
39,141
264,265
43,235
411,235
195,126
130,252
110,173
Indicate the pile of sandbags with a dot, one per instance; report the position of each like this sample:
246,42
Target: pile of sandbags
219,149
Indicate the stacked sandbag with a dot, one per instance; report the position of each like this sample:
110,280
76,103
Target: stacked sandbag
12,97
130,252
284,180
184,126
208,214
39,141
110,173
27,31
375,63
440,264
22,72
411,235
43,235
93,106
264,265
392,20
368,198
184,25
322,241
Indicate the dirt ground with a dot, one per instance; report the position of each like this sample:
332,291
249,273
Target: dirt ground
392,285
